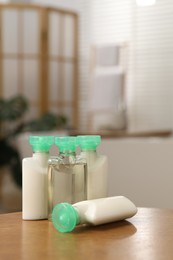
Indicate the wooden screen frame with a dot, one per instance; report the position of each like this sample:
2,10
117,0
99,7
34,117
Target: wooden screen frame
43,59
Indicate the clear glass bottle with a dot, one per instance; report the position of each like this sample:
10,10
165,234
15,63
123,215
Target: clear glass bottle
34,179
67,175
97,165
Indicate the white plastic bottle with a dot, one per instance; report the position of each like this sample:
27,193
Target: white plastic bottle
94,212
97,166
34,179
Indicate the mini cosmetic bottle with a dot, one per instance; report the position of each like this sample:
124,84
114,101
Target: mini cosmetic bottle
67,174
34,179
97,166
92,212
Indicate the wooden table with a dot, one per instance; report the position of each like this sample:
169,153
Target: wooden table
148,235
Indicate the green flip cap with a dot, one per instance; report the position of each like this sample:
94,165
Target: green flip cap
88,142
66,143
64,217
41,143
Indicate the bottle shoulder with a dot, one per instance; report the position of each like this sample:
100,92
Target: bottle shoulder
99,162
80,159
66,160
54,160
102,156
27,159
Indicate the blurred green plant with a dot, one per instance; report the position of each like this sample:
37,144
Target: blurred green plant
11,113
13,108
46,122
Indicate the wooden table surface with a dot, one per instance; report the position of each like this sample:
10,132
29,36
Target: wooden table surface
148,235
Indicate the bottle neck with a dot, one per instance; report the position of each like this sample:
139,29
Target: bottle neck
67,153
68,157
41,157
89,155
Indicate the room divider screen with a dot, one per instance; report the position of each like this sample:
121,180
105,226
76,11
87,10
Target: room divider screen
39,58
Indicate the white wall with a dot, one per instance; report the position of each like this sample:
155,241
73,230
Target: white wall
141,169
148,31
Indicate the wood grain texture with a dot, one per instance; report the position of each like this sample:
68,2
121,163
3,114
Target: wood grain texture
148,235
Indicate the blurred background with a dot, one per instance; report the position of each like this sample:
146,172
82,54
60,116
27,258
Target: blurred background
96,66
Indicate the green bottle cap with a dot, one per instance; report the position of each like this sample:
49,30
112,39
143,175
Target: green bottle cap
64,217
88,142
41,143
66,143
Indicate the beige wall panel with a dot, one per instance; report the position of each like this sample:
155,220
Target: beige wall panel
30,32
68,36
68,112
68,81
10,31
54,34
54,109
53,85
10,78
31,80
